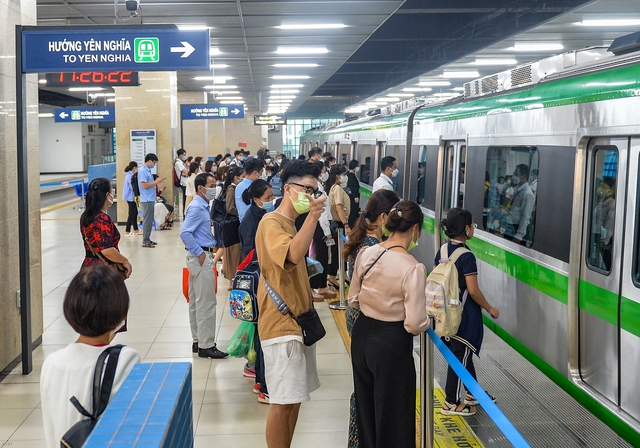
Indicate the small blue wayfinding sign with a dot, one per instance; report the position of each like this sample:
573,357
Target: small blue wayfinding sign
211,111
137,48
77,114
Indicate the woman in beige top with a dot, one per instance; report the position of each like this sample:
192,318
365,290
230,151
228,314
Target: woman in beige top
232,254
388,287
340,207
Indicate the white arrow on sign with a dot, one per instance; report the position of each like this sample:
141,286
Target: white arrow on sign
186,49
63,115
235,111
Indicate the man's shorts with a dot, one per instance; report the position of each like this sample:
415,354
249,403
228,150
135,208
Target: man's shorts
290,370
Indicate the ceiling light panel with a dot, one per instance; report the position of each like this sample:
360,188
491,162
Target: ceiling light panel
290,77
461,74
489,62
278,91
434,83
187,27
295,65
225,87
286,86
417,89
302,50
611,22
219,66
311,26
537,47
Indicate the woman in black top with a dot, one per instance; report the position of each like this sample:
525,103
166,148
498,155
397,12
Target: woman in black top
353,190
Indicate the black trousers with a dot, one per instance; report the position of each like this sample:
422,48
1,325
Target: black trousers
184,199
332,267
132,217
454,388
384,377
322,256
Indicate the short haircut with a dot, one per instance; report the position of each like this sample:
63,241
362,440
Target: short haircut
387,162
96,301
298,170
253,165
237,152
534,172
524,170
151,156
314,151
181,151
201,180
353,164
326,154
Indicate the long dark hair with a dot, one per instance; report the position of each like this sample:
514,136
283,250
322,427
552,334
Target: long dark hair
335,171
382,201
96,196
208,165
133,164
232,174
255,191
193,168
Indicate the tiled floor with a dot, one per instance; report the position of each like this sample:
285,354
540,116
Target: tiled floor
226,412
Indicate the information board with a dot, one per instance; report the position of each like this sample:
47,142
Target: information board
260,120
211,111
75,114
142,142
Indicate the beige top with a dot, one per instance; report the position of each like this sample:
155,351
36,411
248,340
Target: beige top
274,235
339,198
393,290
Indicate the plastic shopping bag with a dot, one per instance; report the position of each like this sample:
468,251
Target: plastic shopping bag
242,340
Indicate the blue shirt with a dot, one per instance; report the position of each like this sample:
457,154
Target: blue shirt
127,190
146,194
240,205
196,229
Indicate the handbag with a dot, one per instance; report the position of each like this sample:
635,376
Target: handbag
77,435
118,266
219,210
309,321
229,231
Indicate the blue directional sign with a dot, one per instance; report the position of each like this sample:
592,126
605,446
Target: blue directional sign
211,111
137,48
78,114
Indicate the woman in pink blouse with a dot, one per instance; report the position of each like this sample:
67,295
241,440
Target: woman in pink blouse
388,287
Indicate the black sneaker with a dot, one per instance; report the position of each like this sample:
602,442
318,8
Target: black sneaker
212,353
194,347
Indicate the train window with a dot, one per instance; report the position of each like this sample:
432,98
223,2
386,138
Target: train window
602,207
422,164
367,168
453,182
511,183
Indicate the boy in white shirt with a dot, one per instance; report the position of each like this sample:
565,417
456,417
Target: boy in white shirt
95,305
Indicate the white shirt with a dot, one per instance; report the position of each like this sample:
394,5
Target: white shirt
521,208
68,373
383,182
179,168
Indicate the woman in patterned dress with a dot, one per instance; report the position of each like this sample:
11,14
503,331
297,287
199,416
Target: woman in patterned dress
367,231
98,230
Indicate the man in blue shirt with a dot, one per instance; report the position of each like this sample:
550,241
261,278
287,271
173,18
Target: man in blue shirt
148,197
198,239
253,169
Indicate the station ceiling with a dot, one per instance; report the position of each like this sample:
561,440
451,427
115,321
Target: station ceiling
372,46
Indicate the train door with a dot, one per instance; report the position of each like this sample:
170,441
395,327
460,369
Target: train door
397,152
367,159
601,265
455,159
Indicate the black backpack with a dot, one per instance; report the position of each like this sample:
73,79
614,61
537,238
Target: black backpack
134,185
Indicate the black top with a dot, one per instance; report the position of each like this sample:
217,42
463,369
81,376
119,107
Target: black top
353,186
249,227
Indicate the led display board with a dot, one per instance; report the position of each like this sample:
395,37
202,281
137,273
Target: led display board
260,120
93,79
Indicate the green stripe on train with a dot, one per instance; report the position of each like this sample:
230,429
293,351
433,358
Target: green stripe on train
592,405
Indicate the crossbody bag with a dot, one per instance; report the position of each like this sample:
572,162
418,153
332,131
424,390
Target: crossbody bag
118,266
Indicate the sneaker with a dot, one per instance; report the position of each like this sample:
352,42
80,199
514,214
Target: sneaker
148,245
212,353
153,242
194,347
249,371
471,400
263,398
256,388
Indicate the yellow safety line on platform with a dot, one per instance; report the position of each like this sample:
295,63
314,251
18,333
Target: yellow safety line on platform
450,431
53,208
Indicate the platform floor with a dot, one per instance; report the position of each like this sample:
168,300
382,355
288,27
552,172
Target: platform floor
226,412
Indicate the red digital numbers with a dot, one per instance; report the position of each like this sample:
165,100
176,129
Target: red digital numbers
115,78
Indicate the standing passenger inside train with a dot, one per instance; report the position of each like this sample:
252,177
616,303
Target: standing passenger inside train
388,170
353,190
388,287
367,231
100,235
603,223
340,207
520,206
459,228
127,195
290,366
233,253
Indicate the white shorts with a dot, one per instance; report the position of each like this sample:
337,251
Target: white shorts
290,370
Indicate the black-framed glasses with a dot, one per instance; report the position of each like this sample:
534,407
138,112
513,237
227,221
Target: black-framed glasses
314,193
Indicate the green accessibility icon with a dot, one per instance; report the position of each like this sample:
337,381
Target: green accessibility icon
146,49
75,115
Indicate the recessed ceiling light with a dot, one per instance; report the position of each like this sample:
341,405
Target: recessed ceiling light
219,66
230,92
459,89
445,94
611,22
295,65
372,104
461,74
488,62
235,98
286,86
404,95
312,26
301,50
42,81
282,97
106,94
417,89
353,110
434,83
387,99
85,89
290,77
231,102
285,91
214,51
214,78
538,47
225,87
111,100
192,27
45,115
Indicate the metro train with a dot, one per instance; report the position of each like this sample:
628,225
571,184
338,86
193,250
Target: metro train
568,284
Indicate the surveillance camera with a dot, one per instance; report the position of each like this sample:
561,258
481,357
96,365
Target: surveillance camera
132,5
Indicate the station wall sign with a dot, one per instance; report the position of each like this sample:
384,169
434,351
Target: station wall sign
135,48
211,111
79,114
93,79
260,120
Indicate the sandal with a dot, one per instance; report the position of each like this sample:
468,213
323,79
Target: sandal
471,400
148,245
452,409
334,285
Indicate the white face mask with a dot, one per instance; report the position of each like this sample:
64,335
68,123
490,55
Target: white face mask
324,176
357,169
395,172
343,180
264,176
210,194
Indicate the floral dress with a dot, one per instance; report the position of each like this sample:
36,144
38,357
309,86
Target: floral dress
102,234
352,315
